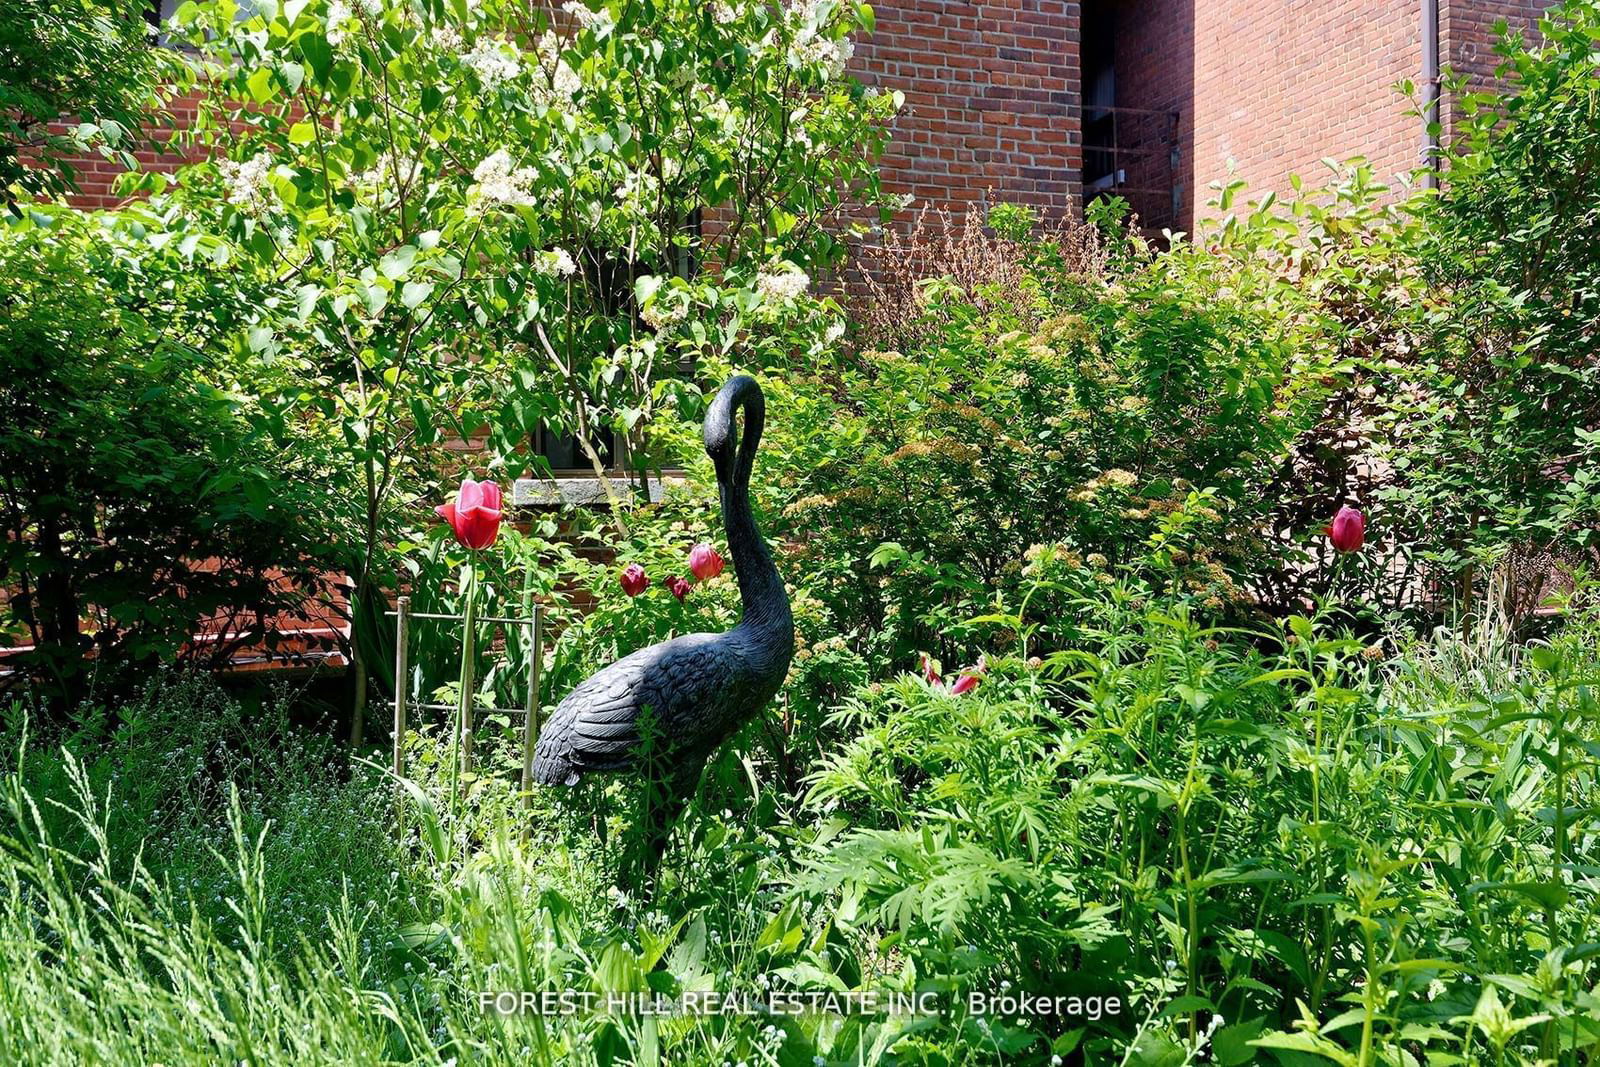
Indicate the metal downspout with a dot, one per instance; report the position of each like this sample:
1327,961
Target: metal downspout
1430,93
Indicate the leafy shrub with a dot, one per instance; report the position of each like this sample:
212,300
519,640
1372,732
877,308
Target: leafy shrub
1228,834
1127,410
138,498
1501,479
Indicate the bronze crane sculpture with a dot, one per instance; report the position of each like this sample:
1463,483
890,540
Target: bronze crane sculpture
697,690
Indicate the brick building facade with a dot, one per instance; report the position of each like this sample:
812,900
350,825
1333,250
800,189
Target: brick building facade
1263,90
1047,101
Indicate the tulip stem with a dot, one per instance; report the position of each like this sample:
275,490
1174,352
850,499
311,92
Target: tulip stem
461,741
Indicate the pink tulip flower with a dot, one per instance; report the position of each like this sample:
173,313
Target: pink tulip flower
634,580
678,586
474,517
704,562
1348,530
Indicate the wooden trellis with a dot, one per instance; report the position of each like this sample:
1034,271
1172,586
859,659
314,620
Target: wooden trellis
530,711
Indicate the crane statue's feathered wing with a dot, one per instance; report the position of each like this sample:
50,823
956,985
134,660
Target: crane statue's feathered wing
690,686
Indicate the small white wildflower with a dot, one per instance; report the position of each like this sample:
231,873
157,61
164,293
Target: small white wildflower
833,333
1435,989
1055,1061
779,286
494,61
249,187
1216,1023
556,263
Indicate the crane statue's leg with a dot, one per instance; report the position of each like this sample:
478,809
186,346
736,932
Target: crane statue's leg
667,792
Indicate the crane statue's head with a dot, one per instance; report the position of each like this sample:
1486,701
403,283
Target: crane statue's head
732,452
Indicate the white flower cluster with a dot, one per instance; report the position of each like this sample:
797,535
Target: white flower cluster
724,14
588,17
811,47
498,183
249,185
555,263
813,50
447,38
563,80
494,61
832,56
664,312
782,285
390,168
336,24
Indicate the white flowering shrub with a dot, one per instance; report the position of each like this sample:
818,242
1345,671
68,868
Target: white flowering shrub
487,216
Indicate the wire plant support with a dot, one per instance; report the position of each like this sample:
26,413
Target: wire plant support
533,626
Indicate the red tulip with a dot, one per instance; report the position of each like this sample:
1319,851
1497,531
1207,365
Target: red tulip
634,580
475,515
930,670
678,586
1348,529
704,562
965,684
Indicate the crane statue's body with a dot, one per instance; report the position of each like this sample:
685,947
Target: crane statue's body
698,689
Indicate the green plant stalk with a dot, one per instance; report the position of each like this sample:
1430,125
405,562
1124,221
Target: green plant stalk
1368,998
1552,920
1325,949
1192,906
1193,919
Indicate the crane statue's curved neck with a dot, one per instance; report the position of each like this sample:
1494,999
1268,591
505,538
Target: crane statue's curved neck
766,605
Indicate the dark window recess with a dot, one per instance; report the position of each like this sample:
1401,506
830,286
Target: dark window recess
564,454
1129,152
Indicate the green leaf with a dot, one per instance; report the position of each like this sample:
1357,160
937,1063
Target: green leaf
414,293
259,83
397,264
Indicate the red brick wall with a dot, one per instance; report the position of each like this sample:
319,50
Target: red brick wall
96,175
1467,37
991,99
1276,87
1279,87
1153,54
